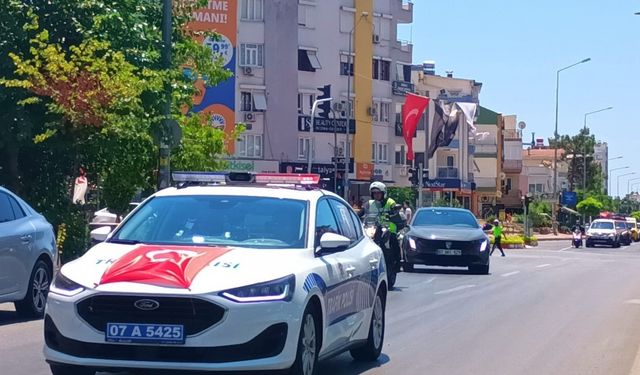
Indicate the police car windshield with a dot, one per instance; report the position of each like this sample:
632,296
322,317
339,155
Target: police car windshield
435,217
602,225
254,222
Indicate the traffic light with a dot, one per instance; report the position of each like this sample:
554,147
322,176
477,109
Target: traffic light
413,176
527,200
324,107
425,175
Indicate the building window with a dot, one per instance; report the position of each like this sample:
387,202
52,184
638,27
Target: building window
303,147
305,103
382,69
346,65
246,102
382,111
249,146
251,10
450,161
380,153
401,155
403,72
305,16
308,60
252,55
253,101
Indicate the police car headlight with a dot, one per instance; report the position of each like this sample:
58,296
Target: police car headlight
276,290
64,286
412,243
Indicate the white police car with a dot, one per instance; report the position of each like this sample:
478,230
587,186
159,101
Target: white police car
241,276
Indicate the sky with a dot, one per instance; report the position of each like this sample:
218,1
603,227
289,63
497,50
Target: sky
515,47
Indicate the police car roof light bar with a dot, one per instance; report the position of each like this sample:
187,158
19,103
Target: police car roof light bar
287,179
194,177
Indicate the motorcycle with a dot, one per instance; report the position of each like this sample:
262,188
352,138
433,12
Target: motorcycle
381,235
577,239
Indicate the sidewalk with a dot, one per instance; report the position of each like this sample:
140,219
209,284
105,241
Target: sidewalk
552,237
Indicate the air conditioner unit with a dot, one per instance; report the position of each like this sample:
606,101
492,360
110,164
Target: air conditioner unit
249,117
373,111
247,70
376,39
404,171
339,107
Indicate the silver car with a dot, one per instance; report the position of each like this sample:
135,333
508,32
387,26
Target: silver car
27,255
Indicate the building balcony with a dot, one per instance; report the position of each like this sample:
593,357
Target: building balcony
405,13
512,135
486,150
512,166
404,46
485,183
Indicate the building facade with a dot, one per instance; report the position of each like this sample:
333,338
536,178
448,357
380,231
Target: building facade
511,192
601,154
451,169
291,53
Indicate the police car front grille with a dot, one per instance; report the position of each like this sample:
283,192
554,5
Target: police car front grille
195,314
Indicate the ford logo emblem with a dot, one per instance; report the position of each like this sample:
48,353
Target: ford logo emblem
146,304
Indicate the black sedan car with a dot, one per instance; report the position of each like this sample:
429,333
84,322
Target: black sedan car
449,237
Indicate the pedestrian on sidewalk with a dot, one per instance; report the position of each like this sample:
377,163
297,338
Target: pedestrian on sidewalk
497,236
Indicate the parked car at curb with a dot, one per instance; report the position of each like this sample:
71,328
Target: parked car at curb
28,255
443,236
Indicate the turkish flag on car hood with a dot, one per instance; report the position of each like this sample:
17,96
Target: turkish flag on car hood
414,107
166,266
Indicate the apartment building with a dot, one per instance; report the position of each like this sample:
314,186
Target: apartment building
511,193
537,172
451,168
487,157
289,54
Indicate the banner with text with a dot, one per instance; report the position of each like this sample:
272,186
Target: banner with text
218,101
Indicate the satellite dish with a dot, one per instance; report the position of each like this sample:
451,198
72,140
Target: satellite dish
522,125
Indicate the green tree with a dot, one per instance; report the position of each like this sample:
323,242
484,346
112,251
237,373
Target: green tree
402,194
574,148
82,84
590,207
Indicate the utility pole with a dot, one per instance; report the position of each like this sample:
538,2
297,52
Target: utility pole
420,186
164,167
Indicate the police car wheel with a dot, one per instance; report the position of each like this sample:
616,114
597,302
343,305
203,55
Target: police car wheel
60,369
306,362
372,349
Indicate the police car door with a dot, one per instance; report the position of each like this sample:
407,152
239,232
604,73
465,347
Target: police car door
361,261
332,271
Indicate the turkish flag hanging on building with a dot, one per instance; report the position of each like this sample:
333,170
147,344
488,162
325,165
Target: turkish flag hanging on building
414,107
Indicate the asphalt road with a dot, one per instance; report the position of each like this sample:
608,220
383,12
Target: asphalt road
550,310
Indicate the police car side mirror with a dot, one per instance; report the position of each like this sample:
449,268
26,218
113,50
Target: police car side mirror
100,234
332,242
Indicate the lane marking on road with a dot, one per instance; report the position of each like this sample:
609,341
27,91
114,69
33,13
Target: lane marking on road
632,302
510,274
456,289
567,248
543,265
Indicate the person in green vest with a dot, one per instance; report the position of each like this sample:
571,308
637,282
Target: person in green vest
386,209
497,235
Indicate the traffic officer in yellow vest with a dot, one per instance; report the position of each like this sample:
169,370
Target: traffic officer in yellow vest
386,208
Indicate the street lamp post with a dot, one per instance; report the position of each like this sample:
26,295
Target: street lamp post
623,175
164,168
314,108
555,146
629,184
607,172
613,170
584,149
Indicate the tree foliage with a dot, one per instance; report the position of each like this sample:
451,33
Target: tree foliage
82,85
590,207
575,147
